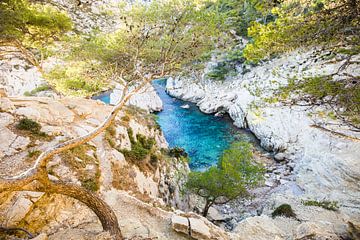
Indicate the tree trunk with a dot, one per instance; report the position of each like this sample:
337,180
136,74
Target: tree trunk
207,206
105,214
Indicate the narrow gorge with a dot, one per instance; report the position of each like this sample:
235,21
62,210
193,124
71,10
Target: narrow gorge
180,119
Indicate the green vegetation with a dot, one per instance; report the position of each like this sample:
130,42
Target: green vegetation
28,125
235,174
337,93
31,126
328,205
140,148
299,24
34,153
177,152
27,25
284,210
110,133
38,89
91,184
77,159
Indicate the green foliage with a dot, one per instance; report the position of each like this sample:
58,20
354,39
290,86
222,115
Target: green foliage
284,210
220,71
329,205
28,125
154,160
110,133
33,24
299,24
140,148
77,79
78,158
227,65
90,184
155,39
177,152
80,152
234,175
239,14
34,153
343,93
36,90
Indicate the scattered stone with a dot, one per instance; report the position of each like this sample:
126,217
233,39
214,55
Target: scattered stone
180,224
215,215
199,230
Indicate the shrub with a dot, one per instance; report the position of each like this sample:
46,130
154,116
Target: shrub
178,152
29,125
154,160
90,184
110,133
284,210
220,71
36,90
34,153
328,205
139,148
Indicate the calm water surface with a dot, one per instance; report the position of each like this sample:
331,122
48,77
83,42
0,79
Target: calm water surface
203,136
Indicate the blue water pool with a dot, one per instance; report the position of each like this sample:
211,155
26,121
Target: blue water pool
105,97
203,136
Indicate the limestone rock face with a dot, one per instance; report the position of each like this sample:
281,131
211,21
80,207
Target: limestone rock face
323,165
315,231
18,77
121,181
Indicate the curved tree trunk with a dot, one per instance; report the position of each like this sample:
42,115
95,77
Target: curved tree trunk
102,210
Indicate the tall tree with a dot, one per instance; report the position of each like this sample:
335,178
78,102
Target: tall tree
235,174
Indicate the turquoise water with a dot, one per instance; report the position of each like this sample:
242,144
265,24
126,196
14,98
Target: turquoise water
105,97
203,136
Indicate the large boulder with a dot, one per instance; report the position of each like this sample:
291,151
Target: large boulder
197,227
259,228
315,231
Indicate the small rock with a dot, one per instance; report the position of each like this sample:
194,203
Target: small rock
180,224
215,215
280,157
199,230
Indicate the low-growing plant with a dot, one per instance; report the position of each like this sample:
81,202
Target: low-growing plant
28,124
178,152
34,153
31,126
139,148
90,184
110,133
154,160
284,210
36,90
328,205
